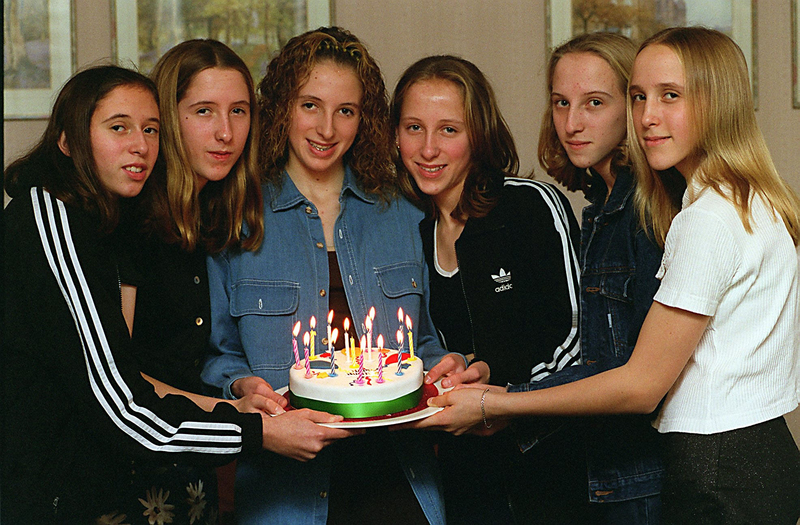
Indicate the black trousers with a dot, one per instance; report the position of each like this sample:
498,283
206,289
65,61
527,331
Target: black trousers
745,476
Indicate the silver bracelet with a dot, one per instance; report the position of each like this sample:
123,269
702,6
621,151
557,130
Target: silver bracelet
483,409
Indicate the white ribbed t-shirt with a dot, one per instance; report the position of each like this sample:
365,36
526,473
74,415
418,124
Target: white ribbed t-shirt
745,368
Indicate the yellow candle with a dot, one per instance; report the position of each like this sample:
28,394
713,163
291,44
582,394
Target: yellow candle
313,334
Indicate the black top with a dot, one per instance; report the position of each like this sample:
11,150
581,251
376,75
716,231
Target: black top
76,408
450,307
519,272
172,322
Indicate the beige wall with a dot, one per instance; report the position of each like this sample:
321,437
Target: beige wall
506,39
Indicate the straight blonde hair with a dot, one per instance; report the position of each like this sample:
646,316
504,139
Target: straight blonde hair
730,149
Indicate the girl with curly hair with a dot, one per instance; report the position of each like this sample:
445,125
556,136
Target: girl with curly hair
338,238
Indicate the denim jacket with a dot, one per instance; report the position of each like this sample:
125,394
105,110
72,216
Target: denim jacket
619,262
256,297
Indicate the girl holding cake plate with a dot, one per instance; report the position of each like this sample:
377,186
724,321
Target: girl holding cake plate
340,238
717,355
501,255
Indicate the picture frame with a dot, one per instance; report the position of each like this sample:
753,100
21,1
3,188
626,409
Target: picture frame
796,54
38,55
246,42
737,18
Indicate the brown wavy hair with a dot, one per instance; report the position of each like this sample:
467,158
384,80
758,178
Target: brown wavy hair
493,153
618,52
73,179
370,155
178,211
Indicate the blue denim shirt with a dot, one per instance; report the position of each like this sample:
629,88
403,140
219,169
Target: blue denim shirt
619,262
256,297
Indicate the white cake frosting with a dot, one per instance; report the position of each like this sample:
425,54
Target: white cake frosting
344,395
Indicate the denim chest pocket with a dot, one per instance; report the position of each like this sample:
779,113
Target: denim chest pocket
617,286
265,312
399,279
251,297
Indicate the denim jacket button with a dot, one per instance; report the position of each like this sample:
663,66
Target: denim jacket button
413,283
196,279
320,245
322,293
309,210
199,321
325,341
323,494
350,278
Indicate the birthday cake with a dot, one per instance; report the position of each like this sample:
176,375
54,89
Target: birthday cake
374,386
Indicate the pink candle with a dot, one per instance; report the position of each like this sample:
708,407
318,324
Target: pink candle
360,380
363,342
308,361
380,367
380,358
294,344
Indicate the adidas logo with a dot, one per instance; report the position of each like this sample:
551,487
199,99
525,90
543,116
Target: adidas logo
503,279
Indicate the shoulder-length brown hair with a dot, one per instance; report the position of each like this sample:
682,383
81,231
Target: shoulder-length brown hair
730,149
370,155
179,212
74,179
618,52
493,153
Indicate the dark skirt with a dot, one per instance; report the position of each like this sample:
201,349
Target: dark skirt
748,475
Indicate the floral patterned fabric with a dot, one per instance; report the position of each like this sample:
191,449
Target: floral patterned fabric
177,494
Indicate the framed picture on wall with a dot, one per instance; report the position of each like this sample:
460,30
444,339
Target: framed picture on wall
641,19
255,29
796,53
37,55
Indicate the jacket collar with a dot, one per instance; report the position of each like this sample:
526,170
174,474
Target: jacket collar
622,190
288,196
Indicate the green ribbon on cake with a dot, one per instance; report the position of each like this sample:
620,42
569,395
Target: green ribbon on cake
359,410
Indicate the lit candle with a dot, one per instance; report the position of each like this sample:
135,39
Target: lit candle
346,326
295,332
353,352
372,322
410,338
308,361
368,325
400,316
363,342
399,336
313,335
334,335
399,362
380,367
330,320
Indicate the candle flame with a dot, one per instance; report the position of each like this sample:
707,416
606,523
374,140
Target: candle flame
368,323
363,342
399,336
296,329
313,322
306,338
330,317
400,314
334,335
380,341
346,324
408,322
372,312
